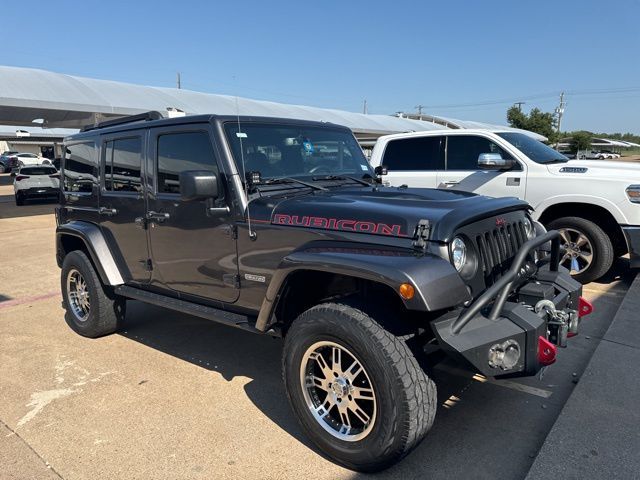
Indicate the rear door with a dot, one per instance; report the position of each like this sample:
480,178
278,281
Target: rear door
414,161
122,202
192,246
462,172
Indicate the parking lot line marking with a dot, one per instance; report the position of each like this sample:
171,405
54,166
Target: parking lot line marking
23,300
539,392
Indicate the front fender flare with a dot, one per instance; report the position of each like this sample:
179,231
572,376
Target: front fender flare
97,247
436,282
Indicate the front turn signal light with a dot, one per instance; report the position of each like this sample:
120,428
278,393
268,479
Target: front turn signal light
406,291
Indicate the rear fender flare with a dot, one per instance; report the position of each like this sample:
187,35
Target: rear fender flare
96,246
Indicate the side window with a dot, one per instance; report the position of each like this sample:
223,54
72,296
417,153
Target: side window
182,151
463,151
80,167
123,158
411,154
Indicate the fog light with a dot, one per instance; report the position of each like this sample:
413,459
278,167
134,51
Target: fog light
504,355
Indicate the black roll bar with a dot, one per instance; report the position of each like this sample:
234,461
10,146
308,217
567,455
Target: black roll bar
503,286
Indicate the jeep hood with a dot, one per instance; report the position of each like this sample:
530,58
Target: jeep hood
386,211
626,172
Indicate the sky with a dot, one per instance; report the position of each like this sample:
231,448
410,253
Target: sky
465,59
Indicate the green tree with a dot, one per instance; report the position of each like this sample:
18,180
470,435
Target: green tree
536,120
581,141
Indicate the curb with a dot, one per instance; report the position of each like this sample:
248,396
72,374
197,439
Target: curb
597,434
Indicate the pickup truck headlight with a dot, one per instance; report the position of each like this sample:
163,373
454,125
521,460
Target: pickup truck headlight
458,253
633,193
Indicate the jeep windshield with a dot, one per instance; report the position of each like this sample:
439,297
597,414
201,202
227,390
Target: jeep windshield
532,148
287,153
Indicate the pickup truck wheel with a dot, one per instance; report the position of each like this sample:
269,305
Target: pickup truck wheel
589,251
91,310
356,389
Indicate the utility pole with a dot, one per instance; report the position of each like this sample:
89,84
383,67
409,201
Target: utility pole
364,107
560,112
178,80
519,104
419,108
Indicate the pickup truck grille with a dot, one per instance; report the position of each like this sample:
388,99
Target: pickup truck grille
497,247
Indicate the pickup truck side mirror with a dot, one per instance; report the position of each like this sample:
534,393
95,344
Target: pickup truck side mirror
494,161
198,185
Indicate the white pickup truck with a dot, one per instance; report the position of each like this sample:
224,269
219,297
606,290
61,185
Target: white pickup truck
594,204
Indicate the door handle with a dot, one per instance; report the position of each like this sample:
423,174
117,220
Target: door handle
107,211
157,217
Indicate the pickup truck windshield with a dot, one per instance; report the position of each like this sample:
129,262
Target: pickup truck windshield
532,148
280,150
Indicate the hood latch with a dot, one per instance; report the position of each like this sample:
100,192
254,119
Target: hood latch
421,234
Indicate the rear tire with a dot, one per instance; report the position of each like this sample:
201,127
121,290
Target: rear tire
2,168
401,402
584,237
19,199
91,310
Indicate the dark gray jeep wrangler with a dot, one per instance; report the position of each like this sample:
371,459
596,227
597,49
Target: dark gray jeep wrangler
281,227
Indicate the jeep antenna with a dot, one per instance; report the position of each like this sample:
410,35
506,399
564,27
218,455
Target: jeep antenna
240,134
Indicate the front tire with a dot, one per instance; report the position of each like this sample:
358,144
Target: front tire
356,389
589,252
91,310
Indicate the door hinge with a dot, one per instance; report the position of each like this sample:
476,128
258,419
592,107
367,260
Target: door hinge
231,279
148,266
421,234
231,230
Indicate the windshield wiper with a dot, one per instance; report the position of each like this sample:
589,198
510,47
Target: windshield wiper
271,181
342,177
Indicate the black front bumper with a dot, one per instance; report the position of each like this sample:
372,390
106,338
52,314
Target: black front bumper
504,317
632,236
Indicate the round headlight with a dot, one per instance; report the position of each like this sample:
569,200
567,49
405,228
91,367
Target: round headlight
529,229
458,253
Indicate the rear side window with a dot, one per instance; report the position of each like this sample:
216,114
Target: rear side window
415,154
80,167
178,152
463,151
123,159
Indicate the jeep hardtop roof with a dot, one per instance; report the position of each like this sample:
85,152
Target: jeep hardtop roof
154,119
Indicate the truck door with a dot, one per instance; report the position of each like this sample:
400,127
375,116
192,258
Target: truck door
414,161
193,249
122,201
462,172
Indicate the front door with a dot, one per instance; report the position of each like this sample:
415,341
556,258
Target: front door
193,251
462,172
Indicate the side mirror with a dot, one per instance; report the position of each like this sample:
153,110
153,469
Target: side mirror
198,185
494,161
381,170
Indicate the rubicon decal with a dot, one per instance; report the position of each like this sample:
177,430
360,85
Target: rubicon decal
346,225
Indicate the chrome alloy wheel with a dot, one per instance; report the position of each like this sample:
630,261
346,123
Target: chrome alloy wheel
78,295
338,391
578,254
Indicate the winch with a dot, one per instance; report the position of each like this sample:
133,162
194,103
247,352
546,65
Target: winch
561,324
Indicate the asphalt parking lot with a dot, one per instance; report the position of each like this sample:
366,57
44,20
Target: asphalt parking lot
173,396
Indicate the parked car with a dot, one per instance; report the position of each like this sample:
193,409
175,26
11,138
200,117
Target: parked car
24,159
598,155
39,181
281,227
8,161
593,204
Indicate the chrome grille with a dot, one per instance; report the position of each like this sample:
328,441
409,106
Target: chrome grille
497,248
